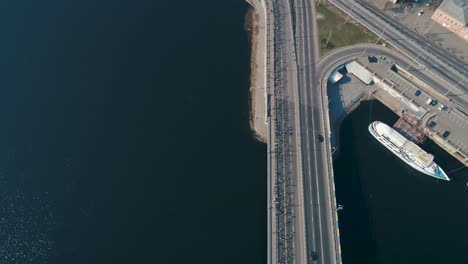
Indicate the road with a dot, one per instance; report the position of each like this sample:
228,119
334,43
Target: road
287,213
320,211
301,213
452,72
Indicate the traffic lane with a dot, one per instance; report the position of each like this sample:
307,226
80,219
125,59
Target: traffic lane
313,229
323,248
308,155
297,226
311,158
318,196
323,194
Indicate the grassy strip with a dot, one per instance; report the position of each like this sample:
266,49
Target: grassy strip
334,33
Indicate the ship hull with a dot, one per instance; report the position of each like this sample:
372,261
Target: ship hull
434,171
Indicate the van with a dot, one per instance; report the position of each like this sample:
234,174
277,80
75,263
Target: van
429,101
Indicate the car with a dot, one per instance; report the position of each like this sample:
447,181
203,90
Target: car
429,3
429,101
313,255
434,102
446,134
417,93
421,13
442,107
432,124
320,138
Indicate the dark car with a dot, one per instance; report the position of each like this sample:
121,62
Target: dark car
320,138
313,255
446,134
432,124
434,102
417,93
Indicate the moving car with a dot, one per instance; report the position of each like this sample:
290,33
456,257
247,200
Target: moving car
320,138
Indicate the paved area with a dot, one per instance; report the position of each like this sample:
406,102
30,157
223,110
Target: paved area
447,119
286,242
434,33
258,83
322,238
396,88
448,74
344,96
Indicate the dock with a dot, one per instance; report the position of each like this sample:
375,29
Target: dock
408,126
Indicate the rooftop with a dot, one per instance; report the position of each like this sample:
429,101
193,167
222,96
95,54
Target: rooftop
457,9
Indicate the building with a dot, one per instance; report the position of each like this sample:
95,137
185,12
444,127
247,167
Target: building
453,15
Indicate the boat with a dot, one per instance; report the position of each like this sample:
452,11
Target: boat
406,150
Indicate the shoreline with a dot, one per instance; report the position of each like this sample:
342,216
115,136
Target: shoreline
257,99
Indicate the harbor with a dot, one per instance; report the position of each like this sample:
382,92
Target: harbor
424,113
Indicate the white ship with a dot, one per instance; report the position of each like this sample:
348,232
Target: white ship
406,150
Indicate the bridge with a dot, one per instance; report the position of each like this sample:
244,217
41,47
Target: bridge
302,208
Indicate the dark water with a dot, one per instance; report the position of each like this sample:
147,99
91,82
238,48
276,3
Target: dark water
125,139
392,213
125,135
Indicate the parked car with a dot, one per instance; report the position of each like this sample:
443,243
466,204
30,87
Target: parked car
421,13
417,93
446,134
442,107
432,124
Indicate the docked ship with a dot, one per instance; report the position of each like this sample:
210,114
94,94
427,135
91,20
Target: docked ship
406,150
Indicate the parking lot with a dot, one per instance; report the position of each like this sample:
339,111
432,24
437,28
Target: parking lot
445,119
454,124
430,109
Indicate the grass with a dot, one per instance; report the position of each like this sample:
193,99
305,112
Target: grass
332,27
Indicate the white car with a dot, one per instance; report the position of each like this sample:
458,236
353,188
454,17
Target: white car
421,13
442,107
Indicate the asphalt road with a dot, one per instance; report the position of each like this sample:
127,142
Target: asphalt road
320,234
453,71
302,221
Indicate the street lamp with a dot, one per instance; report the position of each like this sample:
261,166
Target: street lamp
346,20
